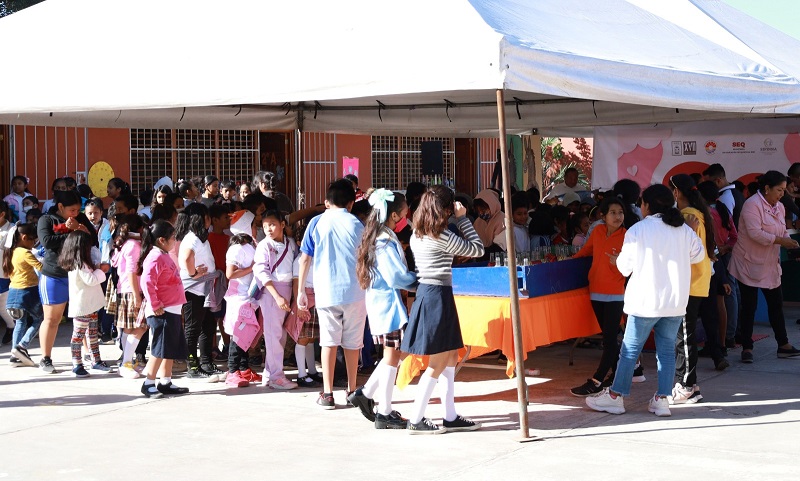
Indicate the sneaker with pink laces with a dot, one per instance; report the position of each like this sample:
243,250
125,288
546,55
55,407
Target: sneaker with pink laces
282,384
235,379
251,375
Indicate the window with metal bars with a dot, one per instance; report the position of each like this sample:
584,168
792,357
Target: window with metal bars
188,153
397,161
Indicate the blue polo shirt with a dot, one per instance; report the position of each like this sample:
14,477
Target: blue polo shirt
332,239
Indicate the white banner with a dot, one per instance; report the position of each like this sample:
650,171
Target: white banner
651,154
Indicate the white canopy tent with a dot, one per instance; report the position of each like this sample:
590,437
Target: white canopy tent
360,66
444,67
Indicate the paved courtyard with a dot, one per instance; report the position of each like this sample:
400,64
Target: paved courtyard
55,427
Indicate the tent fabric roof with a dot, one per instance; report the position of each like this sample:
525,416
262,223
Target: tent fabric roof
434,65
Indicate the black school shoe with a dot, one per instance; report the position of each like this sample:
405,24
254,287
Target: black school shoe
393,421
148,393
363,403
171,389
461,423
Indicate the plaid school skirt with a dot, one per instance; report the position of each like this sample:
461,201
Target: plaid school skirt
127,313
310,328
391,339
111,299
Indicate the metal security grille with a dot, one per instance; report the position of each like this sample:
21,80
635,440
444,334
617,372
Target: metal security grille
189,153
396,161
45,153
487,157
319,165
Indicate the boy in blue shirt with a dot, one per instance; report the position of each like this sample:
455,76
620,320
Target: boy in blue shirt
330,243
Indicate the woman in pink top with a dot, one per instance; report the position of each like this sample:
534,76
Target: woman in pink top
756,261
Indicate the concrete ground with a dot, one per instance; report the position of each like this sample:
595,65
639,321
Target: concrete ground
56,427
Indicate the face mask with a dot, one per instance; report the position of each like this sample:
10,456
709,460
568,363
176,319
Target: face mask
180,210
486,216
27,208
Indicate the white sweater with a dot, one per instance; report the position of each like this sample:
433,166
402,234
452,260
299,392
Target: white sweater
658,258
86,296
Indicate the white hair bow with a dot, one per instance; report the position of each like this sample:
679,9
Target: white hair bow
378,200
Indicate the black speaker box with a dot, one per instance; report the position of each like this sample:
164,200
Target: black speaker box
432,158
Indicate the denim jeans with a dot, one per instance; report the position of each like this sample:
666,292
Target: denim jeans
26,328
636,332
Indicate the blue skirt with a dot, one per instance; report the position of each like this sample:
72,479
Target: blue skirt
433,325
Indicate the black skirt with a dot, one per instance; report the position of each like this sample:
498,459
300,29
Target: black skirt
433,323
167,338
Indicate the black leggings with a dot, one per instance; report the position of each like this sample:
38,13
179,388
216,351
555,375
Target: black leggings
200,327
774,298
609,314
237,358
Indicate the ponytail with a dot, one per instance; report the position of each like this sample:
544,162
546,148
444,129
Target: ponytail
365,254
160,229
659,200
128,225
688,189
28,230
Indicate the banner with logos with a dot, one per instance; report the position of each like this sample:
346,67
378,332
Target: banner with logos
651,154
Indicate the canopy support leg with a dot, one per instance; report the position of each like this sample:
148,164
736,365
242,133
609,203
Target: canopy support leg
519,360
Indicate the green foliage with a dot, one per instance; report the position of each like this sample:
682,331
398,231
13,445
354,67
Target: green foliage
7,7
556,161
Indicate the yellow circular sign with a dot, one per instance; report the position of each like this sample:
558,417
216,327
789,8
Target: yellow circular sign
99,175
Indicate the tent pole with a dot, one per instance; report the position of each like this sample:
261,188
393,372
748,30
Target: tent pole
298,167
519,360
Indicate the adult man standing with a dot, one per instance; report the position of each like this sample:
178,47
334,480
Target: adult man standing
728,195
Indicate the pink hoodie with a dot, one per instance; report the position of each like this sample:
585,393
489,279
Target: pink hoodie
488,230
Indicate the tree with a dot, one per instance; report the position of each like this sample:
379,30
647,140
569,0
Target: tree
7,7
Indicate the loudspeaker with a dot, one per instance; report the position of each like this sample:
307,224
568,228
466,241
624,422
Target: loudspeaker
432,158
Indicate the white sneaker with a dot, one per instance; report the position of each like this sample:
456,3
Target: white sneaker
685,395
605,403
282,384
659,406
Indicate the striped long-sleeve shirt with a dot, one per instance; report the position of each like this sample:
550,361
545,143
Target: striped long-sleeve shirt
434,257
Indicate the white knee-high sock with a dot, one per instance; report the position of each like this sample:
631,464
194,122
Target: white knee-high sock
374,381
311,362
388,377
449,395
300,357
425,386
129,348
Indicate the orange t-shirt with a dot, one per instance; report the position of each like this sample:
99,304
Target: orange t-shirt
604,277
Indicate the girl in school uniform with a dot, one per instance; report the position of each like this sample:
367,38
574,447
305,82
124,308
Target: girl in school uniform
383,272
128,246
433,327
163,302
606,290
86,297
302,325
239,270
273,277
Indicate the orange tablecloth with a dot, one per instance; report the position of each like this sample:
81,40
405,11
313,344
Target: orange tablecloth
486,326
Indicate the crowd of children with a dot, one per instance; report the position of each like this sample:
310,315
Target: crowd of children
190,264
